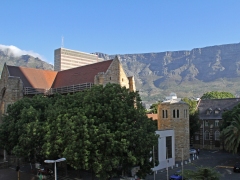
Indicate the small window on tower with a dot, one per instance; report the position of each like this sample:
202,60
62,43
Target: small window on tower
110,78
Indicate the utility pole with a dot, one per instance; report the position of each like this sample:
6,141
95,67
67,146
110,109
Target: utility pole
182,163
153,164
167,162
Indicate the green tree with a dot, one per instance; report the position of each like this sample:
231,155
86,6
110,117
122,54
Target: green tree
153,108
227,116
217,95
194,124
103,129
203,173
22,129
232,135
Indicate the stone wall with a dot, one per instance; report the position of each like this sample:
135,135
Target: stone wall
179,123
115,74
11,89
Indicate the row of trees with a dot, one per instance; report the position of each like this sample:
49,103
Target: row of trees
103,129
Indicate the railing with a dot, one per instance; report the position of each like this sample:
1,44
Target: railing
61,90
30,91
72,88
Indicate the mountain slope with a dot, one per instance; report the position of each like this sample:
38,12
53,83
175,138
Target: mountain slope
25,60
187,73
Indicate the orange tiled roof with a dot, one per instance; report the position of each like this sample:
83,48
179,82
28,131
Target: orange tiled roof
79,75
46,79
31,77
153,116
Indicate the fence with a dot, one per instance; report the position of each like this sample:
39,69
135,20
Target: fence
60,90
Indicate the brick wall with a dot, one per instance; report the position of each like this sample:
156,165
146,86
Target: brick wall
179,123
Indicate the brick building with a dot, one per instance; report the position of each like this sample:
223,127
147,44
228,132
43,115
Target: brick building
210,115
17,82
173,114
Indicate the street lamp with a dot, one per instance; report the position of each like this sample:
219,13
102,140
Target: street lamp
55,166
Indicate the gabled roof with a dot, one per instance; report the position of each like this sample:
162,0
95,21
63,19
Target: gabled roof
31,77
216,104
79,75
46,79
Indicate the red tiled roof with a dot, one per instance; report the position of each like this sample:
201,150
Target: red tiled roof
31,77
153,116
79,75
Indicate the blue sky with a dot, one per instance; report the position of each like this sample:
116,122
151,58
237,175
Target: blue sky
118,26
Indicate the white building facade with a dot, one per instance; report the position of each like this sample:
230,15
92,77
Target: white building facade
166,149
67,59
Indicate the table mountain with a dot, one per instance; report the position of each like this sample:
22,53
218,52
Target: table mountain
187,73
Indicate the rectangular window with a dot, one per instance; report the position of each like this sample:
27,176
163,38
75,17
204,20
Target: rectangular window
217,123
206,123
174,115
166,114
196,137
169,147
178,113
163,114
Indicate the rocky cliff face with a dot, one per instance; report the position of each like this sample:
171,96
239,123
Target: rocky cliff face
187,73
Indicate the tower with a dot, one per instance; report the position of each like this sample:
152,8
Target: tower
174,114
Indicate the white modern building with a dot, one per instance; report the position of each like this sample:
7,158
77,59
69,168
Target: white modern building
67,59
166,149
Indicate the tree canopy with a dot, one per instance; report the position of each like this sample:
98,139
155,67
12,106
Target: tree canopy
217,95
230,129
103,129
194,124
206,173
153,108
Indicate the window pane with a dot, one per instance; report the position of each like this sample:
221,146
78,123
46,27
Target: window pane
169,147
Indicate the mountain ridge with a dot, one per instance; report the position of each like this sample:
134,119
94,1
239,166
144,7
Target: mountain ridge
8,57
188,73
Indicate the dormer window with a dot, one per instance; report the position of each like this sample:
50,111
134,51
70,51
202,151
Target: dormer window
209,111
225,109
217,111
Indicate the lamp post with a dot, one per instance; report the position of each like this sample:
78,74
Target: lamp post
55,166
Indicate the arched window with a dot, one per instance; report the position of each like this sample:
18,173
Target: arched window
174,115
207,135
217,135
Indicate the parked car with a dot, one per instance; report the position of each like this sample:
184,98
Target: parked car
192,151
236,167
176,176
